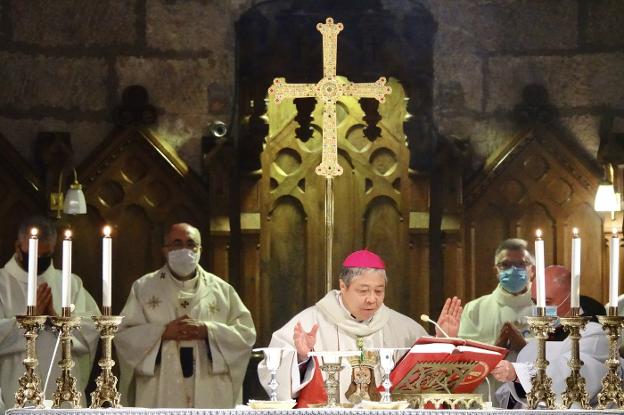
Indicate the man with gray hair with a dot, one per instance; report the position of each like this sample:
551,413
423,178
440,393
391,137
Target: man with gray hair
492,317
351,318
13,288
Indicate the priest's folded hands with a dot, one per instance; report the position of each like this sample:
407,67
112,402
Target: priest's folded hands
185,328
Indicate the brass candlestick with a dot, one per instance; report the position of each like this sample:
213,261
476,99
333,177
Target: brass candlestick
106,382
575,383
541,383
29,389
66,383
611,384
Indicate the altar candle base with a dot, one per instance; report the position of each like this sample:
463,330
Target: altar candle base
105,393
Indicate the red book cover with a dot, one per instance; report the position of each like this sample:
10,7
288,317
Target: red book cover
443,365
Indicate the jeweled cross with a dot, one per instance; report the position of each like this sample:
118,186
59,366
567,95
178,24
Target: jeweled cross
329,90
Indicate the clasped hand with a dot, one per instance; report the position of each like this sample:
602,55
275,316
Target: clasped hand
185,328
45,305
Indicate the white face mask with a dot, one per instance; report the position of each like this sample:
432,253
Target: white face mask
183,261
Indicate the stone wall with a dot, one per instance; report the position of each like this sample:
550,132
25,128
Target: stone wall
64,64
486,51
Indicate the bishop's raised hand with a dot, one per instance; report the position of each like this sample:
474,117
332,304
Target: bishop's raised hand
450,317
304,341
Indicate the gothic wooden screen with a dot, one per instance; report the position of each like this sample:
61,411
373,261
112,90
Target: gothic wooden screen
370,210
137,184
537,181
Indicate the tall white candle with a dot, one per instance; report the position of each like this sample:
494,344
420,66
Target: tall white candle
107,251
614,269
33,254
575,291
66,271
540,270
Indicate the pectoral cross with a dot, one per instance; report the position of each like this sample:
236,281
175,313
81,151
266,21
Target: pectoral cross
328,91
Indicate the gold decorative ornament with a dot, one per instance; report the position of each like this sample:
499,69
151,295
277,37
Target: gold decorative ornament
541,384
29,384
443,400
575,383
66,391
106,383
328,91
612,383
363,387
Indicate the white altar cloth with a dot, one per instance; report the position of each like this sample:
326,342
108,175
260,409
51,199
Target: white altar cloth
309,411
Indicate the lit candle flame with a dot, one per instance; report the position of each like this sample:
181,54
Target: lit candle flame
107,231
538,234
68,234
575,232
34,232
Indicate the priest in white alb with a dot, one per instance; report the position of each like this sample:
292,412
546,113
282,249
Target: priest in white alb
351,318
186,338
487,318
13,288
593,349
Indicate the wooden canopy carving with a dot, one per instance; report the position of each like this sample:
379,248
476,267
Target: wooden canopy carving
539,180
135,182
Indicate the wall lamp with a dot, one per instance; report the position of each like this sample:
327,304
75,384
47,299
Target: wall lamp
73,202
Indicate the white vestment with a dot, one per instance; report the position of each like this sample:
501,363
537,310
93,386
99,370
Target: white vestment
338,330
13,287
219,363
483,318
594,350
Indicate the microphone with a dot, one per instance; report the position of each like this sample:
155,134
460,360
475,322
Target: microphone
426,319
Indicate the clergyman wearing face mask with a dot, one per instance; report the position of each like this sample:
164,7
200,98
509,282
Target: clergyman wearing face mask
485,318
186,331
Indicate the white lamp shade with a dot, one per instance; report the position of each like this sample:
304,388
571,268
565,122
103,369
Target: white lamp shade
75,203
605,199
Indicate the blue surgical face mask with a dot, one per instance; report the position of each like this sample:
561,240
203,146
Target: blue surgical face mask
513,279
552,310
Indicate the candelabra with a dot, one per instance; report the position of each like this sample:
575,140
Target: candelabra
575,383
106,382
29,389
541,383
611,384
66,383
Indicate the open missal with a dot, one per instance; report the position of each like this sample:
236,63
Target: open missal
444,365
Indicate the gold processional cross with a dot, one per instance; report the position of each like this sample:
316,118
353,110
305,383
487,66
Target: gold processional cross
329,90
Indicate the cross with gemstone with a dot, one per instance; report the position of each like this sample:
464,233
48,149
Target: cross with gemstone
329,90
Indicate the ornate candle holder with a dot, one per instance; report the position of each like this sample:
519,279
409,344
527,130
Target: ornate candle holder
66,383
29,389
331,365
575,383
611,384
106,383
541,383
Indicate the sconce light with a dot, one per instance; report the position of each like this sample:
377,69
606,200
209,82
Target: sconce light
607,200
73,203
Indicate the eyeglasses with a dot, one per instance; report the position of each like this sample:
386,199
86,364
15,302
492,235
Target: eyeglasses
178,244
509,264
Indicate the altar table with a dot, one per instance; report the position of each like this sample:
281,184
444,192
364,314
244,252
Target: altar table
315,411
